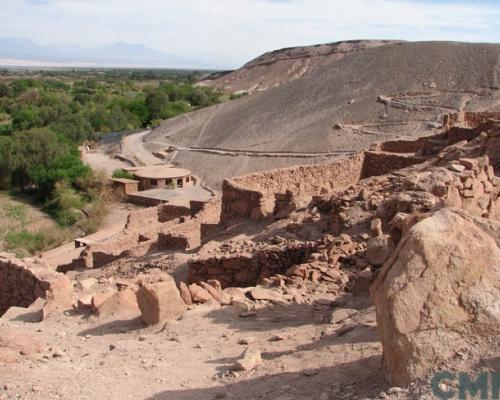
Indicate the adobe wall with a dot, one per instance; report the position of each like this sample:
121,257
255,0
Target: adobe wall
252,196
21,283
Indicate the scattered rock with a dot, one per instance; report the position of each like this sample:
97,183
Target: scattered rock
185,293
86,284
376,227
456,167
259,293
250,359
342,314
379,249
198,294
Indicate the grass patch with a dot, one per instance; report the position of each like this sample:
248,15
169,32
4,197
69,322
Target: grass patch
24,243
121,174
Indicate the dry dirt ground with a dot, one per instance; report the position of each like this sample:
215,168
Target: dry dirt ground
100,161
304,356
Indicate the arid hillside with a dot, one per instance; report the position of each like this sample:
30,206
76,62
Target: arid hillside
280,66
400,89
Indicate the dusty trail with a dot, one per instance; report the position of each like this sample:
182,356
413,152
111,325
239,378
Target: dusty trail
133,147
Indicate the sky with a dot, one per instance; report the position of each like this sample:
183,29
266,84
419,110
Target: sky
228,33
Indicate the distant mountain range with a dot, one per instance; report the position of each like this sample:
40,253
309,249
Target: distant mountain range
25,52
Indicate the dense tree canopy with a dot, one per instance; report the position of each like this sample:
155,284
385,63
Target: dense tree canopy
45,115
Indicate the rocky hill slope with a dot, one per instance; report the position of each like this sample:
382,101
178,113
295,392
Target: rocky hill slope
280,66
399,89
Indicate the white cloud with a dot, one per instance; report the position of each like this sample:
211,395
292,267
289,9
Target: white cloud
227,33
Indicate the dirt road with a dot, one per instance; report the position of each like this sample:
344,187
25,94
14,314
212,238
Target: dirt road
133,148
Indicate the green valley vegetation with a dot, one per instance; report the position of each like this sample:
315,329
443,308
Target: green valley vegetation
45,115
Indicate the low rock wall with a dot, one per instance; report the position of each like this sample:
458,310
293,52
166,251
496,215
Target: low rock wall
21,283
377,163
165,227
249,268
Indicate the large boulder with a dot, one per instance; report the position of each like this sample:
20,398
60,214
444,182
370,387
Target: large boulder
160,301
439,294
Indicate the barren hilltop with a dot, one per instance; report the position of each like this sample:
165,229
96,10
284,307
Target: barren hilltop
379,92
280,66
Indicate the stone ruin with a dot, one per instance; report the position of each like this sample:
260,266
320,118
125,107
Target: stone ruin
21,283
160,228
413,222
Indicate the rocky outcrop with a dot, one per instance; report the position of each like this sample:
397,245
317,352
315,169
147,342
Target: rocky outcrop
439,294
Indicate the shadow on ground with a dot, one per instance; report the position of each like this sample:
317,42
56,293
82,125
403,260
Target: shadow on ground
113,327
351,380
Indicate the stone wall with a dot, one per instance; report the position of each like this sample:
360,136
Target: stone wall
165,227
252,196
247,268
168,212
377,163
21,283
469,119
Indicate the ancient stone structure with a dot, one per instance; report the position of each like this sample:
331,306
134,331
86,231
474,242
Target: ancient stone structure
164,227
250,264
469,119
21,283
255,195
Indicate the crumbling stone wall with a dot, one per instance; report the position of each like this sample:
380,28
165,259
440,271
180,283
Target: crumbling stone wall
165,227
469,119
252,195
21,283
158,214
168,212
247,268
141,218
376,163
